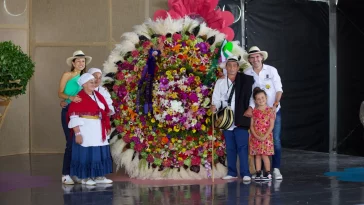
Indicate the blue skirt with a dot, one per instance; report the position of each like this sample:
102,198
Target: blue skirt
90,161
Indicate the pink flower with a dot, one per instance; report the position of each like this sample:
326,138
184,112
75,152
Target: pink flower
204,11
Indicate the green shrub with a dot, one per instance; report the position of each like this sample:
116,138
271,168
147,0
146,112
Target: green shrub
16,68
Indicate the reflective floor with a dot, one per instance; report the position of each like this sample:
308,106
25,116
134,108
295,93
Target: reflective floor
309,178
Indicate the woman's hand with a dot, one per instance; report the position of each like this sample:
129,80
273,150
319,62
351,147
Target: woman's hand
75,99
63,104
79,139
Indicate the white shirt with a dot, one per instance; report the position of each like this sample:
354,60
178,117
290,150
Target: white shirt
269,81
221,94
107,97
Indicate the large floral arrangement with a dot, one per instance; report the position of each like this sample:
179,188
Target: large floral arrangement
162,90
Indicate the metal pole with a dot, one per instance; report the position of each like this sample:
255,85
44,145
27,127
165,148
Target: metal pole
333,76
242,20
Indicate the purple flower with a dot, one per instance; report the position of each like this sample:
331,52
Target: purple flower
193,97
183,96
203,47
184,44
183,119
135,140
205,92
190,80
198,126
164,81
168,117
201,111
122,92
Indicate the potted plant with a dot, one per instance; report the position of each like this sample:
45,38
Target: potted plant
16,68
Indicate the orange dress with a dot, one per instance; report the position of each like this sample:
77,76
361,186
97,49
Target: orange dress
261,123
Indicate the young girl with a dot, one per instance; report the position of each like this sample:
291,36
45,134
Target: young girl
261,139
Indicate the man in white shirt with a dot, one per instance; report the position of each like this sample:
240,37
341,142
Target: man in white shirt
267,78
237,136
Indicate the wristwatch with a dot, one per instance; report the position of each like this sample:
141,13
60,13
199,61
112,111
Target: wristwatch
276,104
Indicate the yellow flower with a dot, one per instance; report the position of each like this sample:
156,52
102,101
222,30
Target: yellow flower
198,89
194,107
207,120
152,120
168,73
169,129
158,150
176,128
173,140
267,86
182,70
203,127
148,150
183,149
180,158
183,128
160,125
193,131
174,95
209,112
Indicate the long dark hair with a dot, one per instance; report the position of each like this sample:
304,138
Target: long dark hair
73,68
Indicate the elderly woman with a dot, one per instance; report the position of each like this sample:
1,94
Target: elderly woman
91,158
96,72
68,89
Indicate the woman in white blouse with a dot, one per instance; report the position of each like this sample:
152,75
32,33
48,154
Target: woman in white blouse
90,125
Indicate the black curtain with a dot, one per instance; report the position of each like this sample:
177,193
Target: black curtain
350,44
234,6
296,36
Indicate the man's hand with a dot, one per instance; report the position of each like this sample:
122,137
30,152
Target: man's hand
248,112
63,104
213,108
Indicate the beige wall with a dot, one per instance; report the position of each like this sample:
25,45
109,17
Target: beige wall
14,133
50,30
58,29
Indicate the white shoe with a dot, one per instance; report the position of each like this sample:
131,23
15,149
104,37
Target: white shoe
247,179
253,176
88,181
227,177
77,180
102,180
67,188
277,174
66,179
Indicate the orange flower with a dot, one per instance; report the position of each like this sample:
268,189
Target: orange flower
165,140
202,68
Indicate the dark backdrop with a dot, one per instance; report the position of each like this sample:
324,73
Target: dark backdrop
350,44
296,36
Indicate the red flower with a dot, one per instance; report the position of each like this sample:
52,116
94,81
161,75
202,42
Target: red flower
196,160
202,9
150,158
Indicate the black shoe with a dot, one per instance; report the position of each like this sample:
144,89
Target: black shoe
258,176
266,176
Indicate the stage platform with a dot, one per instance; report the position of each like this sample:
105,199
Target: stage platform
35,180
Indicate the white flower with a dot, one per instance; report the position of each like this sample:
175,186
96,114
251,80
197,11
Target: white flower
206,102
177,106
193,122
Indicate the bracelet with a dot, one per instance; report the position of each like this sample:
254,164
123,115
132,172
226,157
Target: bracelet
78,133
